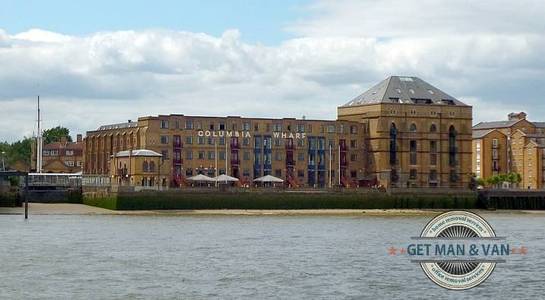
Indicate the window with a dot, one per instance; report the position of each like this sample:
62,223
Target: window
413,174
246,126
164,124
256,127
145,166
222,141
300,173
234,126
246,155
222,155
164,139
188,124
189,172
433,175
412,150
301,156
222,126
433,128
277,127
210,141
201,154
200,140
452,146
165,154
309,128
331,129
211,126
412,128
189,155
433,153
300,143
69,153
245,141
353,144
198,125
353,129
300,127
353,157
340,129
393,144
211,155
278,173
246,173
189,140
495,143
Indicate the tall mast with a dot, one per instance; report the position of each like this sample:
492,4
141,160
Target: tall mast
39,143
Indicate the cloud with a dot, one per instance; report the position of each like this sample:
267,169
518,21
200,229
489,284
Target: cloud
488,55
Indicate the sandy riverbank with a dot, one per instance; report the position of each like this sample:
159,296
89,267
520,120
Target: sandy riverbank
81,209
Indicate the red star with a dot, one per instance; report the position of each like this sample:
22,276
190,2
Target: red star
392,251
523,250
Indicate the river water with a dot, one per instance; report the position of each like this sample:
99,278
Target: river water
233,257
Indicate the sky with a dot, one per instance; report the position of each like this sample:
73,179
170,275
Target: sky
104,62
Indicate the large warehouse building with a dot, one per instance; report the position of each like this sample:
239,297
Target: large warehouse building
401,132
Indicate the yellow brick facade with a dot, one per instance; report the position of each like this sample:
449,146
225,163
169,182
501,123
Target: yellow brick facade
520,144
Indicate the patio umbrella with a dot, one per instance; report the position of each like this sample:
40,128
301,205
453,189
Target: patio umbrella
201,177
225,178
268,178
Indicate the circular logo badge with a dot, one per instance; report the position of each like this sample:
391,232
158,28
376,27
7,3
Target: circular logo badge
458,274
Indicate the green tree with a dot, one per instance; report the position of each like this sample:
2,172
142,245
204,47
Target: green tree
55,134
20,151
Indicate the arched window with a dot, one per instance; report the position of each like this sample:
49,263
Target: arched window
393,144
433,128
145,166
412,128
152,166
452,146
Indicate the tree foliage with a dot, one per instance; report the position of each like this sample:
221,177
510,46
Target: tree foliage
55,134
20,151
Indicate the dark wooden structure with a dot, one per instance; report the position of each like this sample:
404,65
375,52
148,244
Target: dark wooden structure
7,174
512,199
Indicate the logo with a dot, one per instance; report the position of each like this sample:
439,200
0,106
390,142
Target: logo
458,250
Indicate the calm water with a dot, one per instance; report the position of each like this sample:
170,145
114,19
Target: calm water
136,257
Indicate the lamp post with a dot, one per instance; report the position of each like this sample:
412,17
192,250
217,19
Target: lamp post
3,162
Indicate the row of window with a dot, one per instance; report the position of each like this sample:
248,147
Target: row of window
246,126
164,139
246,172
246,155
71,163
56,152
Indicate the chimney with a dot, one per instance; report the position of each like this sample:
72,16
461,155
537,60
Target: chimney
516,116
79,138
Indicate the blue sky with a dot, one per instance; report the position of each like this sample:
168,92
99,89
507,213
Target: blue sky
103,62
259,21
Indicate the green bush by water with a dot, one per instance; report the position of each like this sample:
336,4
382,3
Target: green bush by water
278,200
